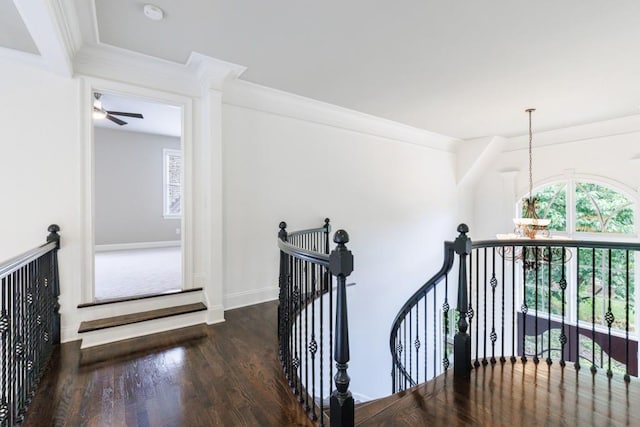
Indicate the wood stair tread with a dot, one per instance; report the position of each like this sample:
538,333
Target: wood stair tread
138,297
127,319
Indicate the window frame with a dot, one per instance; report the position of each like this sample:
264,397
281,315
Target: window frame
166,154
572,315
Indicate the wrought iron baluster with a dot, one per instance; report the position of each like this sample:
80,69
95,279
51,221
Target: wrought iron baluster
306,334
417,344
435,363
537,284
502,353
524,307
409,347
577,362
513,307
313,344
404,341
445,310
484,312
426,339
627,377
494,284
563,288
610,318
5,328
300,350
549,265
594,369
476,362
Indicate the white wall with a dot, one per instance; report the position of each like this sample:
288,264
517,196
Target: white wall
607,150
396,200
391,187
40,169
128,187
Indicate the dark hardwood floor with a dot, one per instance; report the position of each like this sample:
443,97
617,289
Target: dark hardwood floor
231,377
512,395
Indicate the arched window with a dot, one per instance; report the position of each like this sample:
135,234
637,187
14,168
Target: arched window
586,210
581,207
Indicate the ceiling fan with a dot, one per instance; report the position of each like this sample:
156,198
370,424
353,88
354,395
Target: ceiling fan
101,113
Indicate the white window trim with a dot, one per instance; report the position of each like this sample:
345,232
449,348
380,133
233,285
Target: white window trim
166,152
570,181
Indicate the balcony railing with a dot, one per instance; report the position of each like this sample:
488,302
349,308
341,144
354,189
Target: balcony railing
29,324
307,333
550,300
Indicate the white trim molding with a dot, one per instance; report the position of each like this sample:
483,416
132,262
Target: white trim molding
245,298
137,245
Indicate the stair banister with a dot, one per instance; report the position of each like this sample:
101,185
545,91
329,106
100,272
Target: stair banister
462,340
341,266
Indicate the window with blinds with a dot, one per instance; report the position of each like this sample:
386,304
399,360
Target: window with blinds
172,183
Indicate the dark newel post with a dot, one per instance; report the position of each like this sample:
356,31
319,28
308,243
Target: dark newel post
55,237
282,283
462,340
341,266
327,230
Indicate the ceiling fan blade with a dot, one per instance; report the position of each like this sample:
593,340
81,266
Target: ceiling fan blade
119,113
116,120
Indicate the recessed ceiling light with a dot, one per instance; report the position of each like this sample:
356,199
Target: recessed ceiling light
153,12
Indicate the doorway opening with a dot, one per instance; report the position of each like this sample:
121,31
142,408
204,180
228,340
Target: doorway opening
138,197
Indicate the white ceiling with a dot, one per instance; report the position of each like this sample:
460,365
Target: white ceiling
461,68
13,33
158,118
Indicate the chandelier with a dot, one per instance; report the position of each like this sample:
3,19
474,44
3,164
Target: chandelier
531,225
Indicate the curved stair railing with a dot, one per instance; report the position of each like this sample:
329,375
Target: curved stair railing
29,324
414,328
551,300
307,334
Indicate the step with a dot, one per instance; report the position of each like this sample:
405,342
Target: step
117,328
126,319
101,310
134,346
137,298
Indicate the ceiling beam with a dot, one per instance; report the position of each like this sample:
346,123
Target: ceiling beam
54,29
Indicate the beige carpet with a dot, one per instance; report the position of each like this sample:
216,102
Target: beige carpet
137,272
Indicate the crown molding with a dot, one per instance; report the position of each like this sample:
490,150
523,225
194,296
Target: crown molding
68,24
113,63
244,94
607,128
212,73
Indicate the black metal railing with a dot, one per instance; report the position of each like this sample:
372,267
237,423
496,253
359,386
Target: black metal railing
307,334
414,354
29,324
552,300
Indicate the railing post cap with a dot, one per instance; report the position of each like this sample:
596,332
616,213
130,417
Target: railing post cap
326,221
463,228
282,225
53,228
341,237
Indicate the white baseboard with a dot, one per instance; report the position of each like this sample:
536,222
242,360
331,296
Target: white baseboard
215,314
137,245
69,333
245,298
